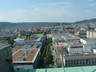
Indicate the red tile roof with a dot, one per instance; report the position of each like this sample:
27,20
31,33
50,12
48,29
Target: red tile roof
78,31
29,39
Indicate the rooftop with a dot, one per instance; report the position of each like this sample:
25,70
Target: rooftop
19,54
29,39
17,47
39,35
34,45
65,69
80,56
81,44
78,44
87,39
2,46
61,43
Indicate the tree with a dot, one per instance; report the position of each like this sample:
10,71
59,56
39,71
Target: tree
47,50
44,33
11,42
44,51
49,58
6,39
49,40
27,36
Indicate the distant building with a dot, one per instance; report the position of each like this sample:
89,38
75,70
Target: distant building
10,36
5,58
91,34
19,39
49,35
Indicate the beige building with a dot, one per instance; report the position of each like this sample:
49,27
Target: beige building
26,58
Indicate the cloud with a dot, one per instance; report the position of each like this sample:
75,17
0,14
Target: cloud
53,15
35,9
39,14
94,4
13,15
60,3
43,14
89,11
19,11
33,6
64,7
90,0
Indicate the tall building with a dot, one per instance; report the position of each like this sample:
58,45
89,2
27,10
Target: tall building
91,34
5,58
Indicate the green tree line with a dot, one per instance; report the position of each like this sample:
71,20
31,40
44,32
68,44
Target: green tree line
9,41
46,52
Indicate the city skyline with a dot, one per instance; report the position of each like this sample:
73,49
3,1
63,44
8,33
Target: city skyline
47,11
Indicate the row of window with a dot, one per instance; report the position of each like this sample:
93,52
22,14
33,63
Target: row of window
80,62
76,46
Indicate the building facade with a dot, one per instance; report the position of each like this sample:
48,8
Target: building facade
5,58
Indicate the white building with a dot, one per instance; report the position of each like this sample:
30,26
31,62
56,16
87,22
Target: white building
71,37
78,52
49,35
19,39
91,34
79,48
88,41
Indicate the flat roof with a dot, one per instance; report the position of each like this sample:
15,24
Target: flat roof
2,46
78,44
61,43
34,45
21,51
17,47
65,69
81,44
80,56
90,39
39,35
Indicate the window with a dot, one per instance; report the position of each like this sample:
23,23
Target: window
66,64
66,61
76,46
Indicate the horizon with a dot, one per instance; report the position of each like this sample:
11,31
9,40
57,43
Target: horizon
48,22
47,11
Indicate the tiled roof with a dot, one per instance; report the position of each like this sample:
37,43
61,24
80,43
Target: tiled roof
29,39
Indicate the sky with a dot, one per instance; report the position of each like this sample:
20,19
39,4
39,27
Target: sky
46,10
